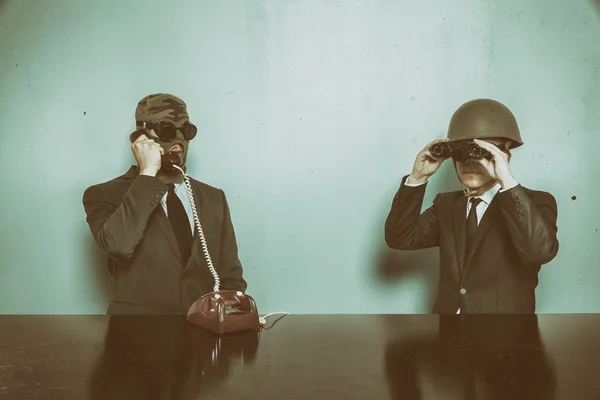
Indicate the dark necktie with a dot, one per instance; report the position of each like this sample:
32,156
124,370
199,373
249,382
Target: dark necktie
471,223
179,222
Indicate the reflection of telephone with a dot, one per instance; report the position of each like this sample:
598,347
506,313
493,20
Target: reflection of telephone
168,160
219,354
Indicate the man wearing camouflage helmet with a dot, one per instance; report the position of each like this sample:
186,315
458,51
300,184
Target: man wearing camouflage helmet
144,220
493,236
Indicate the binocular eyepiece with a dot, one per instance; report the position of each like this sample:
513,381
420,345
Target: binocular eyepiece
460,151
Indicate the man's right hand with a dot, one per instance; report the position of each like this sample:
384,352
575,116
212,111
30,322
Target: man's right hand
148,155
425,164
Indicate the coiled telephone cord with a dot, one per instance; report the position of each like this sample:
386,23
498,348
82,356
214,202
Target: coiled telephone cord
200,231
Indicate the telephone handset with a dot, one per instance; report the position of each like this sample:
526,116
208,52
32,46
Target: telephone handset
168,161
218,352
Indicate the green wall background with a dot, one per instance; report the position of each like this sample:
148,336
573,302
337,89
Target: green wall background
310,112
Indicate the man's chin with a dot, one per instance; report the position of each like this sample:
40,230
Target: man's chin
473,184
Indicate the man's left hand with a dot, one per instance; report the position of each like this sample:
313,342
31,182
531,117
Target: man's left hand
497,167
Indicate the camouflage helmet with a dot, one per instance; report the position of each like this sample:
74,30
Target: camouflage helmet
484,118
161,107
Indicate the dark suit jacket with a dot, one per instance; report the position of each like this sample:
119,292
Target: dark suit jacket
131,227
516,235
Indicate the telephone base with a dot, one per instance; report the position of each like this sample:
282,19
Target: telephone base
224,311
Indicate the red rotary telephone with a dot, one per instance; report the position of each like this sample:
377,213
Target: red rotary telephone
225,311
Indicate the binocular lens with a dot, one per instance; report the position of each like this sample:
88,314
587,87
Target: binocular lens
459,151
437,150
476,152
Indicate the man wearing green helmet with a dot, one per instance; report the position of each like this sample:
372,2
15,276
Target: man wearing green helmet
161,245
494,236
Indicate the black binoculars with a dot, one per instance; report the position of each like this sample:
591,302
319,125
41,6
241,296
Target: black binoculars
460,151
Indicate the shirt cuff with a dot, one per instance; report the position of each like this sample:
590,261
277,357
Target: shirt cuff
413,184
508,188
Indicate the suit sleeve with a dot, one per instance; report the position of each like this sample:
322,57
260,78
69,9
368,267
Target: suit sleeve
531,222
230,268
118,228
406,228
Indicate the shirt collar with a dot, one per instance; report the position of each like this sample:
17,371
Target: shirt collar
488,196
178,187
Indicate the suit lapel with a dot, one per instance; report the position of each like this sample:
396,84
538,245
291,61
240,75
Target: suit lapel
165,226
484,225
197,258
160,215
197,243
459,218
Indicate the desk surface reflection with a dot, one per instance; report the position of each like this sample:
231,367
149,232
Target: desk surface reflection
302,357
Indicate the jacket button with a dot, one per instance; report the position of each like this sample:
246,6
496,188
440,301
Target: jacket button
463,291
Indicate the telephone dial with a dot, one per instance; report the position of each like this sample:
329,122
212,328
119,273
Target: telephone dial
220,311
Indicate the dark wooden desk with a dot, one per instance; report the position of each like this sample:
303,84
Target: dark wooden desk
302,357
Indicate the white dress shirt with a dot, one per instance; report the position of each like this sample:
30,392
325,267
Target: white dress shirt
181,191
483,205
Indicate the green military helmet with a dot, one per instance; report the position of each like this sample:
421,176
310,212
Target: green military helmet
483,119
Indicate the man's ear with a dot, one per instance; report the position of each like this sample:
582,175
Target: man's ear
507,149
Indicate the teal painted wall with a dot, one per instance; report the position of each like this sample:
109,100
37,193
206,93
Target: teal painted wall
310,112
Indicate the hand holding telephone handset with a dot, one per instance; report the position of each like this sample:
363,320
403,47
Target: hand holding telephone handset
219,311
146,153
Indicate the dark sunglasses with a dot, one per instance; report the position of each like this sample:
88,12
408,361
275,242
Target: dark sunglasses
167,131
